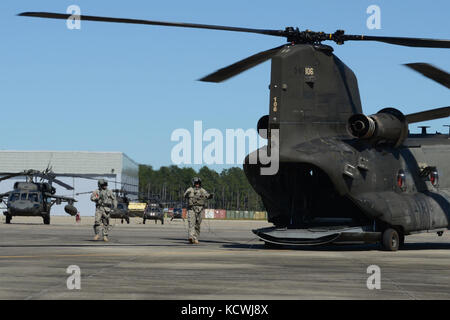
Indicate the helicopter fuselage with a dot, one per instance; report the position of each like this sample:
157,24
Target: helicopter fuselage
334,179
328,177
27,199
33,199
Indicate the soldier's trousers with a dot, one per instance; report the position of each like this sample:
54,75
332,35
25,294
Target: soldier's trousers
101,221
194,221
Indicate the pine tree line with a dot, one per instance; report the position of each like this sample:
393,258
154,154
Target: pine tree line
230,187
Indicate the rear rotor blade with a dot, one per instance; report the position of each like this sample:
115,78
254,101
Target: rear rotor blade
428,115
241,66
431,72
51,15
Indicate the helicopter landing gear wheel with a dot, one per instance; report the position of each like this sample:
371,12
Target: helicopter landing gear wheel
391,240
46,219
8,218
127,220
162,221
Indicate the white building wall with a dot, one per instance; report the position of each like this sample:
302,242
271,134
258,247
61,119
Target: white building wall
80,162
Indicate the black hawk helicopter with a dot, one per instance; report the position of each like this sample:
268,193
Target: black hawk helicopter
342,176
31,198
122,212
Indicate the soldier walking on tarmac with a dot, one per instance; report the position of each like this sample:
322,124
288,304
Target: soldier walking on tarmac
196,199
105,202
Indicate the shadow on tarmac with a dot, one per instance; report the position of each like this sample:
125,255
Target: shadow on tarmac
342,247
93,244
228,244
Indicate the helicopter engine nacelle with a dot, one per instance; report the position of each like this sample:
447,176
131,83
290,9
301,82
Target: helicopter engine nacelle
388,126
70,209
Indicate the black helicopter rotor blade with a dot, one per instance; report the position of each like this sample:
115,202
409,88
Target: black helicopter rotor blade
11,175
17,174
86,192
292,35
431,72
241,66
131,192
62,184
89,177
51,177
51,15
428,115
402,41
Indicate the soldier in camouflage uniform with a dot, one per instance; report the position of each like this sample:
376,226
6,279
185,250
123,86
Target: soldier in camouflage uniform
105,202
196,197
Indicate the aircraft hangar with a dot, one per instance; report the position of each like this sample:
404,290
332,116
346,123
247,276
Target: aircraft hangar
79,169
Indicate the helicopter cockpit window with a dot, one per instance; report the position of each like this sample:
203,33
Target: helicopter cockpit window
23,196
14,197
33,197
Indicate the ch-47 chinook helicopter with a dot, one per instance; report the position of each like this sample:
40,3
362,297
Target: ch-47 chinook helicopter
342,176
35,199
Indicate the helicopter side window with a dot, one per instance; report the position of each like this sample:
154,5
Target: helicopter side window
23,196
14,197
120,206
33,197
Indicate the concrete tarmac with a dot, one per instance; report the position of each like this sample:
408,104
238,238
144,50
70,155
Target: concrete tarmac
154,261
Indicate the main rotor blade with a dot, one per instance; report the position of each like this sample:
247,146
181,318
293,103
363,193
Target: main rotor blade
11,175
87,192
63,198
241,66
17,174
403,41
51,15
428,115
53,180
90,178
62,184
431,72
293,35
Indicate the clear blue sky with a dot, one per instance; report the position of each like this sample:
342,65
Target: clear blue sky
114,87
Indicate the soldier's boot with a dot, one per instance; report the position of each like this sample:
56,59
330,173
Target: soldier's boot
195,241
96,237
191,241
105,238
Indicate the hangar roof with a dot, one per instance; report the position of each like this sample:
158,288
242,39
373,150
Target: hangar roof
67,162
